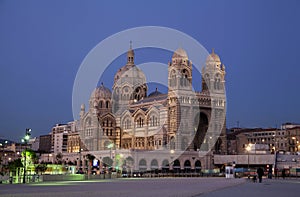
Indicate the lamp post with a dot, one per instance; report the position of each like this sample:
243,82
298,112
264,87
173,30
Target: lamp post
49,155
110,146
2,156
25,140
248,148
80,161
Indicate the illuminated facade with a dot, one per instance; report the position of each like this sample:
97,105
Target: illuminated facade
180,120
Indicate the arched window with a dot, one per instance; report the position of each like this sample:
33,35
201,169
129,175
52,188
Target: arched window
107,104
140,122
127,123
153,121
172,143
173,78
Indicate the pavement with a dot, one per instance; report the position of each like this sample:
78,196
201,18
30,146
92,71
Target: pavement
268,187
189,187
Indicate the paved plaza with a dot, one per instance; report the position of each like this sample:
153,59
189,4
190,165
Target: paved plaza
272,188
206,187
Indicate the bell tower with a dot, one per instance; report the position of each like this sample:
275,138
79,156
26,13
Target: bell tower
180,71
213,84
179,97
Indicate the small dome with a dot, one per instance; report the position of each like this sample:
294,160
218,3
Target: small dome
180,53
101,92
155,93
213,57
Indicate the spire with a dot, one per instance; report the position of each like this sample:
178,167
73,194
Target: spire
130,54
213,51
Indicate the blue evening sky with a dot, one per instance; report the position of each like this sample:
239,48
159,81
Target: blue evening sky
42,44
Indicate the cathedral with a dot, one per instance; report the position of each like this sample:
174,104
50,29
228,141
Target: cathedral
128,119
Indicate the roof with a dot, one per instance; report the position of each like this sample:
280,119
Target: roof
152,98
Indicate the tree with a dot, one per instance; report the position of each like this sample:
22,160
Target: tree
59,157
90,158
31,157
14,165
107,161
41,168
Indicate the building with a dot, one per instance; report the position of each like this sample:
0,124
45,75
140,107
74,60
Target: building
59,136
271,139
34,143
292,136
289,125
128,120
74,144
45,144
60,142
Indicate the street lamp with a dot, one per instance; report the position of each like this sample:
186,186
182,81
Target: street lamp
248,148
110,146
25,140
49,155
2,156
80,161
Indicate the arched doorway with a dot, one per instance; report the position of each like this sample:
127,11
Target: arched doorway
176,166
142,165
198,166
165,166
201,126
154,166
187,166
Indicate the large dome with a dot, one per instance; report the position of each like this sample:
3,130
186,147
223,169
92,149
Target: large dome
155,93
101,92
130,74
180,53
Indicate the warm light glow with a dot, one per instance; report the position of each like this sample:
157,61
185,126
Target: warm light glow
110,145
293,138
172,151
248,148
